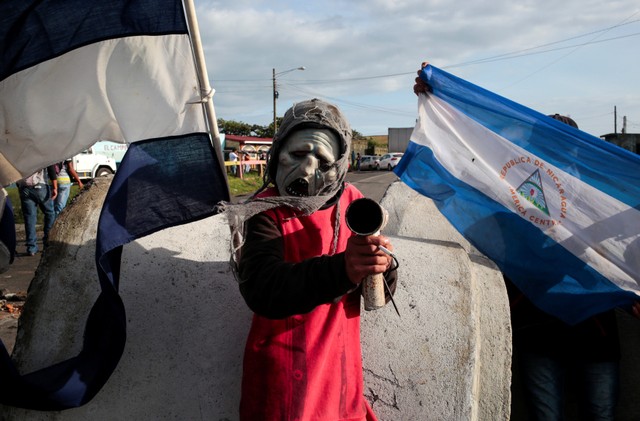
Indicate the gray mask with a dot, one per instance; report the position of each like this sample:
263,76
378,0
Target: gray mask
306,162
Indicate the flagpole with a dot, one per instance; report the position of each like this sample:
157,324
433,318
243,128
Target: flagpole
203,78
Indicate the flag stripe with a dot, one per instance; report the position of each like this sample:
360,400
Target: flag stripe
521,125
555,208
161,183
119,78
32,32
488,225
571,219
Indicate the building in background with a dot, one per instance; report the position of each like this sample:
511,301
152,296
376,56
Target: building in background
628,141
399,138
253,146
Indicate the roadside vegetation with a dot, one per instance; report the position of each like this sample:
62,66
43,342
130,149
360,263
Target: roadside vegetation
241,128
249,184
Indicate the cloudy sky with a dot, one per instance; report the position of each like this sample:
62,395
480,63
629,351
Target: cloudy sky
578,57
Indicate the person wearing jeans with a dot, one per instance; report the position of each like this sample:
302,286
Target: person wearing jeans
552,357
233,157
546,378
36,193
65,174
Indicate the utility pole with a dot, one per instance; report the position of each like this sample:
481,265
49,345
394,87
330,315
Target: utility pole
615,120
276,94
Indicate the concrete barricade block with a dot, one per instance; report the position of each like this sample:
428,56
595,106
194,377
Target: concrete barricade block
447,357
187,322
455,322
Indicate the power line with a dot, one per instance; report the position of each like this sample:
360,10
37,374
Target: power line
500,58
504,56
597,34
518,53
353,104
296,85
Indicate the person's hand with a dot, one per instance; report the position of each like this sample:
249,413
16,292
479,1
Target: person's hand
421,86
363,257
54,193
635,309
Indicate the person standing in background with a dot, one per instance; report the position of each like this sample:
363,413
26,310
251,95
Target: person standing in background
552,357
36,193
247,167
233,157
551,354
7,232
65,172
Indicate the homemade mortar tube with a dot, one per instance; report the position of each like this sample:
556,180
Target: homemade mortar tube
366,217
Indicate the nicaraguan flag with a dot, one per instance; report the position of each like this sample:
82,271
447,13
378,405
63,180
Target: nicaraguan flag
73,72
558,210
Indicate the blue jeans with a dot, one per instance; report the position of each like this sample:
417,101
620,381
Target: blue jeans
61,199
545,380
32,198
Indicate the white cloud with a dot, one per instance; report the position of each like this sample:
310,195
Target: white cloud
341,42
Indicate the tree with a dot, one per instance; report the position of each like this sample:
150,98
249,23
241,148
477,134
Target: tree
238,128
356,134
266,131
359,136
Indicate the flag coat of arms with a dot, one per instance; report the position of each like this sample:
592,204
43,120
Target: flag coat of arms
73,72
558,210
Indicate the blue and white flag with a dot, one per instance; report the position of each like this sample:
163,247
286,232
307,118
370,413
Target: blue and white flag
73,72
558,210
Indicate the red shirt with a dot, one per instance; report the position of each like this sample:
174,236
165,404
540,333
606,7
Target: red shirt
307,366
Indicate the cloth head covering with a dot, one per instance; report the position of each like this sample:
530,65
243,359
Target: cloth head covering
565,120
313,113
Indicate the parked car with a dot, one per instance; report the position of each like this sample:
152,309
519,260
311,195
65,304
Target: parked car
369,162
389,160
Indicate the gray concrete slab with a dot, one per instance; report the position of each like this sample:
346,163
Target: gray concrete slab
187,325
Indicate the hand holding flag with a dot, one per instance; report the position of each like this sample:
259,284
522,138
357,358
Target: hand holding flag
555,208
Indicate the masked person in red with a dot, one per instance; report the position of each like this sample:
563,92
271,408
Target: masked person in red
299,269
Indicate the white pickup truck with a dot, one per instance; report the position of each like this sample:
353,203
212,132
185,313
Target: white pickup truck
99,160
